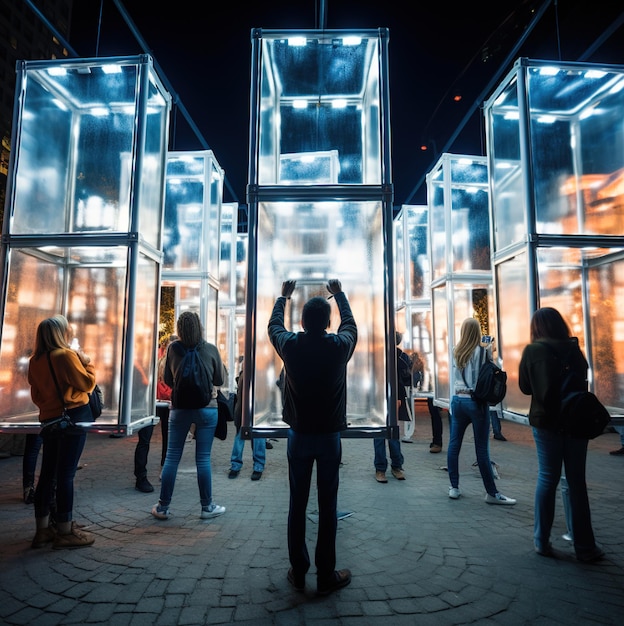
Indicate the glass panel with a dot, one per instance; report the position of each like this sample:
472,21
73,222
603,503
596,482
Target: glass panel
437,219
565,275
512,279
577,149
606,302
399,259
194,185
146,338
312,242
319,97
95,308
440,308
470,228
184,211
73,164
508,202
419,340
419,273
150,200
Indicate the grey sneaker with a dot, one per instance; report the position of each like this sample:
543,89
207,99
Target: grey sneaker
161,512
454,493
499,498
212,510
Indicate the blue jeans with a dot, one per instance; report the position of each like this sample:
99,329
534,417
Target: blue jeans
303,450
258,447
553,451
465,411
61,452
180,421
381,460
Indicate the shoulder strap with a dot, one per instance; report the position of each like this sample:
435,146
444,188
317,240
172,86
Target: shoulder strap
58,389
481,361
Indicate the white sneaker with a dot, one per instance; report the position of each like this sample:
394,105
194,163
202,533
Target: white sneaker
499,498
407,440
454,493
212,510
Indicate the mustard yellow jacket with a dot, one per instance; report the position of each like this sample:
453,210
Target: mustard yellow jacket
75,380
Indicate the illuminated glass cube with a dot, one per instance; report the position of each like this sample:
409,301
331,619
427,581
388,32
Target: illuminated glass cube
82,231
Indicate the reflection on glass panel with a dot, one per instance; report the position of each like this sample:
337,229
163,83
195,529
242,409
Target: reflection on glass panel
470,228
77,141
437,230
193,191
512,277
399,259
313,242
418,340
565,275
95,309
606,302
310,168
319,94
143,392
440,310
419,274
577,149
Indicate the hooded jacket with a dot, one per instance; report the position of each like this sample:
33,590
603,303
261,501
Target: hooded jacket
540,376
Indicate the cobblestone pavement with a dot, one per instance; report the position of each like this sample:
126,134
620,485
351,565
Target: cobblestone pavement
417,557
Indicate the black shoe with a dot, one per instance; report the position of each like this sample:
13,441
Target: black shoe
233,473
144,485
256,475
298,582
269,445
340,578
500,437
619,452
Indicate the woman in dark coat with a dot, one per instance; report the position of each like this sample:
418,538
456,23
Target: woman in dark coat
540,377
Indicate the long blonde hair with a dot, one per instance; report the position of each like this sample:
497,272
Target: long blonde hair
51,334
469,339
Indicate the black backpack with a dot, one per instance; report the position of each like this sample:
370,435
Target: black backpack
491,385
192,385
582,415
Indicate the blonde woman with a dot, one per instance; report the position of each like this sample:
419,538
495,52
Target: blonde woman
465,411
60,378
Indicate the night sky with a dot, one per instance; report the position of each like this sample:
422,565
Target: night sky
437,50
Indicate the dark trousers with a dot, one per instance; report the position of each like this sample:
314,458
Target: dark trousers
162,411
61,452
34,441
436,422
303,451
141,451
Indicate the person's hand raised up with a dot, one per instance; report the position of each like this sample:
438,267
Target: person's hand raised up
288,286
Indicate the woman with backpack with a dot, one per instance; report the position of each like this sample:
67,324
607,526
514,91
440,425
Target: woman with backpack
539,376
194,371
465,411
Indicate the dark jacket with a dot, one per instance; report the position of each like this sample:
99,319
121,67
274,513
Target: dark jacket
208,353
315,385
540,376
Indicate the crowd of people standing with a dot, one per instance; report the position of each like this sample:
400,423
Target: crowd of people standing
61,378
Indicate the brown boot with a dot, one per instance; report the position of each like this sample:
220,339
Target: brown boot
75,539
